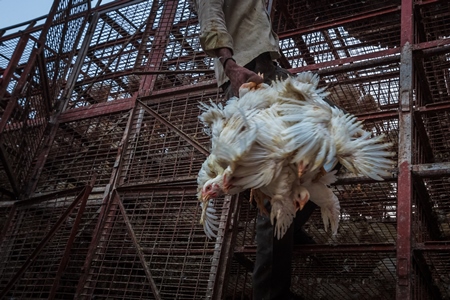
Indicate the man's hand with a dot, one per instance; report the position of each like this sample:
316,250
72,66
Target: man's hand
239,75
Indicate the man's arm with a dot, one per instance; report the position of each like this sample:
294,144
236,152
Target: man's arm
217,42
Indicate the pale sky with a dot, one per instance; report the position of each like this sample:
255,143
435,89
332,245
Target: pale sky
18,11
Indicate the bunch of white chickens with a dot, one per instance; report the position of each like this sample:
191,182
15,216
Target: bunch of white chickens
283,141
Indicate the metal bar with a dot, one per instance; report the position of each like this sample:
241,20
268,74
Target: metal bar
78,63
405,191
379,116
353,63
224,246
329,248
152,72
433,47
183,135
65,258
104,216
107,213
41,245
434,107
138,248
96,110
432,170
433,246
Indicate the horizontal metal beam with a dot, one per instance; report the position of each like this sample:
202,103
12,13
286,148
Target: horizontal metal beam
433,246
353,63
95,110
432,170
313,249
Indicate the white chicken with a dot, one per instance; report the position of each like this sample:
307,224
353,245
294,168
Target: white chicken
273,138
320,193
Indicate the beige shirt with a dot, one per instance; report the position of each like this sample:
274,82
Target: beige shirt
242,25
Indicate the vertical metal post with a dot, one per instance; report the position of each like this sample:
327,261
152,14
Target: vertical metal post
159,46
405,192
222,258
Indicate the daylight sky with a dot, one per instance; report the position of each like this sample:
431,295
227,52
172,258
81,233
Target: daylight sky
17,11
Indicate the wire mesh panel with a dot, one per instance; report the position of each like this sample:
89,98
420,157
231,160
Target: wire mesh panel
184,62
435,18
438,191
323,31
8,47
24,131
118,44
145,241
36,242
366,90
436,69
167,154
80,150
65,32
439,266
156,237
345,276
437,128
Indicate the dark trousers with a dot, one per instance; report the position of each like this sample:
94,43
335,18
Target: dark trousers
272,271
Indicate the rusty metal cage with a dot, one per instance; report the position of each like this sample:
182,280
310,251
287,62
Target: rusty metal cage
100,147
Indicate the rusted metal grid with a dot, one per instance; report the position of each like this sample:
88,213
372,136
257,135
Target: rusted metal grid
25,129
171,152
29,91
184,62
9,45
81,149
435,18
438,192
438,274
153,237
368,208
38,236
145,38
117,45
366,275
321,32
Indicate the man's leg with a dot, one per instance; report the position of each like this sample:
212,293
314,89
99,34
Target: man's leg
272,272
